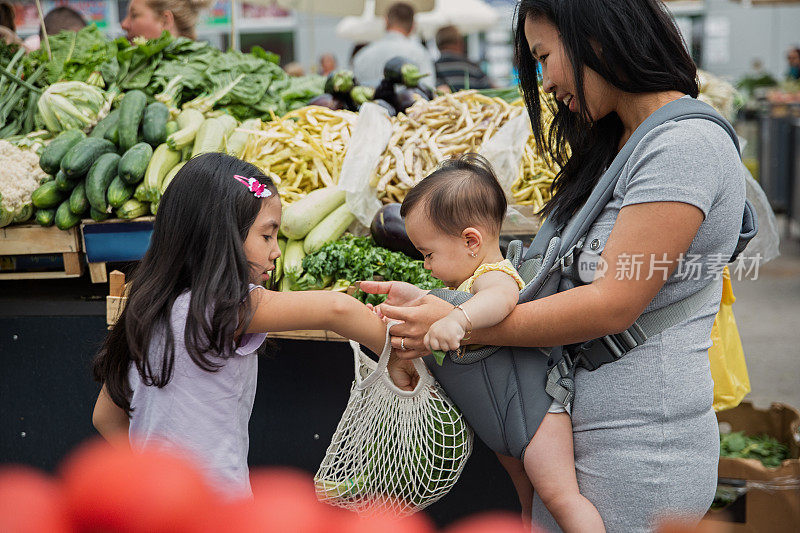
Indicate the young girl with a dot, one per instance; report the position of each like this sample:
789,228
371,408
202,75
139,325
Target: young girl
453,217
179,368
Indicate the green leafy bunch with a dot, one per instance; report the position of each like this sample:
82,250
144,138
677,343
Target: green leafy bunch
359,258
766,449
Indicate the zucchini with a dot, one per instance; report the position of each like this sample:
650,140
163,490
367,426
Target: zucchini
133,208
276,275
331,228
161,163
303,215
154,123
97,216
236,141
210,137
105,125
189,121
154,208
47,195
53,153
64,183
170,176
134,163
140,193
172,127
131,110
99,178
80,158
66,219
45,217
118,192
293,261
78,203
228,123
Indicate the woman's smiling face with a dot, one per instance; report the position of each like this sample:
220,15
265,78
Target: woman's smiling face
544,42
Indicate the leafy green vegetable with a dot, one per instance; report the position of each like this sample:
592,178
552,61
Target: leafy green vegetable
76,55
359,258
764,448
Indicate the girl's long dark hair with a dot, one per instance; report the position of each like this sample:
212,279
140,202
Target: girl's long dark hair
634,45
197,245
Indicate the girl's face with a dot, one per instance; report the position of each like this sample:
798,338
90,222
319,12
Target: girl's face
448,257
261,245
546,46
142,21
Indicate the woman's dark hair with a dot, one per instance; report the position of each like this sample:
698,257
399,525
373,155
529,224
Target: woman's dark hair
634,45
461,193
197,245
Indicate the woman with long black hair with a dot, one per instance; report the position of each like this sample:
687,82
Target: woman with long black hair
645,436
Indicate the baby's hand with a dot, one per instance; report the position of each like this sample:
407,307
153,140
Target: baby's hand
445,334
377,310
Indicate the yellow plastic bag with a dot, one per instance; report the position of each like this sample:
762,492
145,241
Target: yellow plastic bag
728,368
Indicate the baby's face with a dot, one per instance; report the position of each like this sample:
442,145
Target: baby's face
446,256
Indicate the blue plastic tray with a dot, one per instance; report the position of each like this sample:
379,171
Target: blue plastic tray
118,241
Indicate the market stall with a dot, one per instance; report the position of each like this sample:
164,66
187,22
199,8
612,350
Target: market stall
108,126
100,130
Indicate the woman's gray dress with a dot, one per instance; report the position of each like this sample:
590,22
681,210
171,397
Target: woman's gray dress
646,437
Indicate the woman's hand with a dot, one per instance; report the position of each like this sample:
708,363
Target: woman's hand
408,337
398,293
403,373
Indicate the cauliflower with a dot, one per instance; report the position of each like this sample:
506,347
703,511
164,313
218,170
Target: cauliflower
20,175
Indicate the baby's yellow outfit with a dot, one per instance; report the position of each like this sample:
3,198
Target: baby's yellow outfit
501,266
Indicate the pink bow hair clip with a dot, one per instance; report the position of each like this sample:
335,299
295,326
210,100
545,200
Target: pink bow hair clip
258,189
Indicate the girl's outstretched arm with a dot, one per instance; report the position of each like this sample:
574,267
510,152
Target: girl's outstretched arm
334,311
109,419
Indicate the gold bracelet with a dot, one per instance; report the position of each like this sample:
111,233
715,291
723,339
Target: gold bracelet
468,333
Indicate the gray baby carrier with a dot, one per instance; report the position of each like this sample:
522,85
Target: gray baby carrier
504,392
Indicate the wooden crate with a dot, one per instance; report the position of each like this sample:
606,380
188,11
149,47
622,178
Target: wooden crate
32,239
97,237
116,299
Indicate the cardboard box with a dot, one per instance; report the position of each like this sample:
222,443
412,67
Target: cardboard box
771,496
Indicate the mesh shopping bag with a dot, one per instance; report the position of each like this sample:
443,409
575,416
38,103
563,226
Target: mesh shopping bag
393,450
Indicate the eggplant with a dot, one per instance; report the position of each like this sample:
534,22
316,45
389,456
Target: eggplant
361,94
424,90
401,70
405,99
339,82
387,106
389,231
385,91
327,100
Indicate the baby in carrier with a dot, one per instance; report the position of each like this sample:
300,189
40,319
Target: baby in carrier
453,217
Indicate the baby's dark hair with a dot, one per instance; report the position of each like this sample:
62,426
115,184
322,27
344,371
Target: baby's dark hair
461,193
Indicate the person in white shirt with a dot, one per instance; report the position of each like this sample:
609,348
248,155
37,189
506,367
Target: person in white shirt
368,62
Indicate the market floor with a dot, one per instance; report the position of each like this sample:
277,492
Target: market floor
767,311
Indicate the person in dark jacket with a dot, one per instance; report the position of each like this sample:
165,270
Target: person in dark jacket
453,69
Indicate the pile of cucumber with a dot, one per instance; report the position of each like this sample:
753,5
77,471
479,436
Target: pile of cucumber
126,163
102,174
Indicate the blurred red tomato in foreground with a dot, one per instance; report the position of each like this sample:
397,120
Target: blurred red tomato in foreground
111,488
285,500
30,502
490,522
385,523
